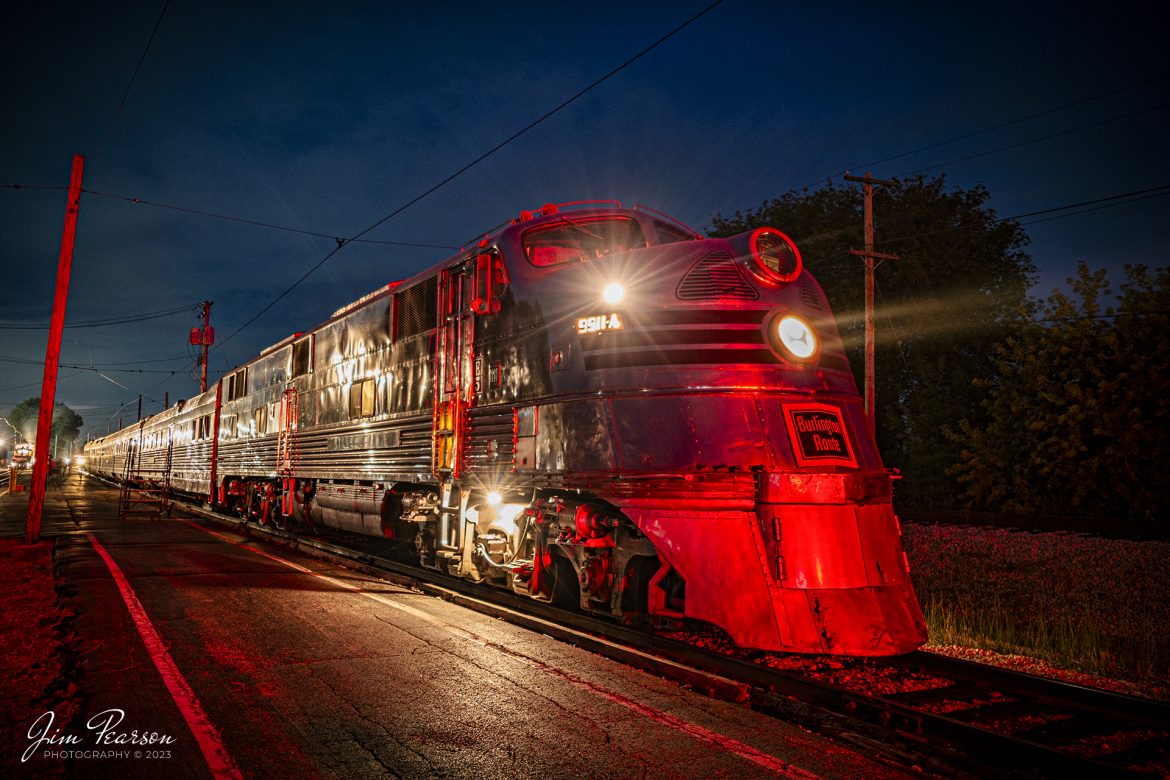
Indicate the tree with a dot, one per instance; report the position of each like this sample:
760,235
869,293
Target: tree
960,280
66,424
1078,417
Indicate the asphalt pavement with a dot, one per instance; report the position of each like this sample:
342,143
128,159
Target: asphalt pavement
198,652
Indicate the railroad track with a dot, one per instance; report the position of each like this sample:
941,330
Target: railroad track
947,717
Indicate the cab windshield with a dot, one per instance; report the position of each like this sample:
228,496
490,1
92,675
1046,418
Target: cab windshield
580,239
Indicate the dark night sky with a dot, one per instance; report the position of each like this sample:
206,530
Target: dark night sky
328,117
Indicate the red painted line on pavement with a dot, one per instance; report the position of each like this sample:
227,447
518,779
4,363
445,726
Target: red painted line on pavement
219,761
700,733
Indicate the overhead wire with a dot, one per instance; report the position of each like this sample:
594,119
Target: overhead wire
992,128
38,383
1030,141
1121,199
1011,122
32,187
230,218
133,76
257,223
341,243
155,360
34,362
124,320
1097,208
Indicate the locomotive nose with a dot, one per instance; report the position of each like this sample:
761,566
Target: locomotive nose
695,305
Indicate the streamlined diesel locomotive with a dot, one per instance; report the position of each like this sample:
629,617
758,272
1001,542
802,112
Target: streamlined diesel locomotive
593,405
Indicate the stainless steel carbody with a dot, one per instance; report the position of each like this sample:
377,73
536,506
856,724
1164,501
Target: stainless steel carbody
596,394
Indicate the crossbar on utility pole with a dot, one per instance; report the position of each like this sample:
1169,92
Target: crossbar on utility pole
869,256
36,499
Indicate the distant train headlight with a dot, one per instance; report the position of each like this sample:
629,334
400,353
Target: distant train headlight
614,293
797,338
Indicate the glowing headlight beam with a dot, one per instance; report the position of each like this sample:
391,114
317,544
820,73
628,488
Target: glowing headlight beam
614,293
797,336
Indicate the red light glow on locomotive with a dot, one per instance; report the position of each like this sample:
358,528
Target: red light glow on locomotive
595,406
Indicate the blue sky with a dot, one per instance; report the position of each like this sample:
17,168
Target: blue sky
327,117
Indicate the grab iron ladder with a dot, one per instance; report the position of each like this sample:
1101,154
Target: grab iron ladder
146,492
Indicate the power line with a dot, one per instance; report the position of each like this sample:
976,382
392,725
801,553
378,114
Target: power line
31,362
1102,316
257,223
990,129
122,102
229,218
1158,191
341,243
130,318
1109,201
1096,208
35,384
32,187
1048,137
1017,121
156,360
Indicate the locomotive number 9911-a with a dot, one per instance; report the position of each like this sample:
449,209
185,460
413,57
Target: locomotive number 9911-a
599,323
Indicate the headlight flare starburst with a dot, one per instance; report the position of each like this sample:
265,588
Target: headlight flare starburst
797,338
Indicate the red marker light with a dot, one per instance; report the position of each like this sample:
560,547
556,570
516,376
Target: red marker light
775,255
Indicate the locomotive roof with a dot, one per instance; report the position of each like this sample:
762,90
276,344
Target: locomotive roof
545,215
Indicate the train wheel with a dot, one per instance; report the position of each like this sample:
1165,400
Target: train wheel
246,507
636,596
278,519
306,520
566,588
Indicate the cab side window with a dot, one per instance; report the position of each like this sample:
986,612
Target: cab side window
669,234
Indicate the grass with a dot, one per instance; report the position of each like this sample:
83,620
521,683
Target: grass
1093,605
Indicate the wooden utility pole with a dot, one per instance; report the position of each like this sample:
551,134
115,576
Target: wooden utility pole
36,500
869,256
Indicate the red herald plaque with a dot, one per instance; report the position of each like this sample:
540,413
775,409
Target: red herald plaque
818,435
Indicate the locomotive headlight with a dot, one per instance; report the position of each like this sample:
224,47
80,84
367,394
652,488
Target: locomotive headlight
797,338
771,255
493,498
614,293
